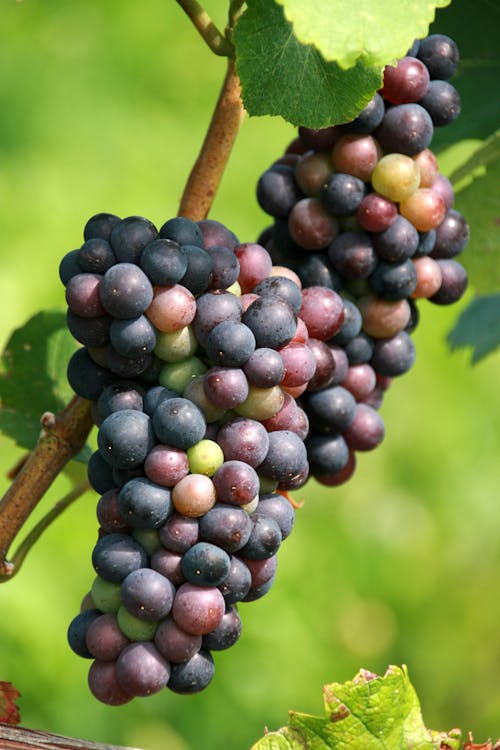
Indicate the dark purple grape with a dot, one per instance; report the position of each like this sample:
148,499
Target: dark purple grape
452,236
168,564
257,592
282,287
237,583
226,633
154,396
96,256
442,102
368,119
280,509
147,594
426,243
359,349
179,423
193,675
83,295
119,396
125,291
225,267
330,410
134,337
316,270
393,356
85,377
405,129
319,140
69,267
144,504
264,540
230,344
101,225
205,564
141,670
277,191
213,308
100,473
109,515
117,555
216,234
164,262
366,431
125,438
264,368
394,281
272,321
285,457
351,324
179,533
104,639
77,631
352,255
236,483
182,230
453,285
104,685
199,269
198,609
174,644
92,332
439,54
326,454
226,526
342,194
243,439
397,243
127,367
325,365
130,236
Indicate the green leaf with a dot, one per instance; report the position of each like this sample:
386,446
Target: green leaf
369,712
281,76
478,327
377,32
33,375
478,202
474,166
474,27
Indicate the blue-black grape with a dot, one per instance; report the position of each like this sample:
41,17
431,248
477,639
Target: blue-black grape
205,564
226,633
368,119
405,129
125,291
91,332
77,631
119,396
277,191
125,438
225,267
272,321
133,337
331,410
264,368
130,236
193,675
327,454
397,243
316,270
147,594
182,230
352,255
144,504
393,356
282,287
85,377
264,540
230,344
199,269
280,509
442,102
164,262
100,473
178,422
101,225
141,670
117,555
394,281
96,256
226,526
285,457
237,583
439,54
342,194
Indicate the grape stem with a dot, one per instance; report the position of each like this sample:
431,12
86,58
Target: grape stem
206,28
61,438
209,167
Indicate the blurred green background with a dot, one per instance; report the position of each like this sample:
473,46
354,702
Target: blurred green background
103,106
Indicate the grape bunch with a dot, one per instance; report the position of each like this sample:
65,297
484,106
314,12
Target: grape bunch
193,350
362,209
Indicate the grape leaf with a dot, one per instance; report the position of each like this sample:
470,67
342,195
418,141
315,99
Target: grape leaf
478,327
377,32
478,202
281,76
9,712
33,375
369,712
485,154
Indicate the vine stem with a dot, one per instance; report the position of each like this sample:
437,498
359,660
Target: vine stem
209,167
206,28
61,438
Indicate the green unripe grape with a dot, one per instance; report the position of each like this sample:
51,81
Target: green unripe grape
266,485
195,392
235,289
134,628
148,538
261,403
205,457
177,375
106,595
176,346
396,177
252,505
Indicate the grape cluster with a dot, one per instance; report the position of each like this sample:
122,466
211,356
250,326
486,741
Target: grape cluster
361,209
194,347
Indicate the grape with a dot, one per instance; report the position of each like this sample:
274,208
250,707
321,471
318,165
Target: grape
407,81
299,364
310,224
195,392
340,477
125,438
262,571
319,140
429,277
226,387
237,583
179,533
280,509
225,267
106,595
99,473
366,430
193,675
453,284
109,514
83,295
96,256
264,540
359,349
92,332
368,119
277,191
257,592
316,270
396,176
125,291
327,454
199,269
226,526
117,555
104,685
176,346
325,365
393,356
127,367
428,165
383,318
129,237
376,213
101,225
255,265
213,308
243,439
394,281
172,308
312,170
341,364
175,644
236,483
147,594
405,129
135,628
352,255
178,422
331,410
425,209
205,564
69,266
356,155
322,311
342,194
351,325
264,368
216,234
194,495
286,456
198,609
177,375
360,381
440,55
205,457
104,639
132,338
443,186
182,230
164,262
230,344
119,396
226,633
77,632
272,321
282,287
168,564
452,235
144,504
141,670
